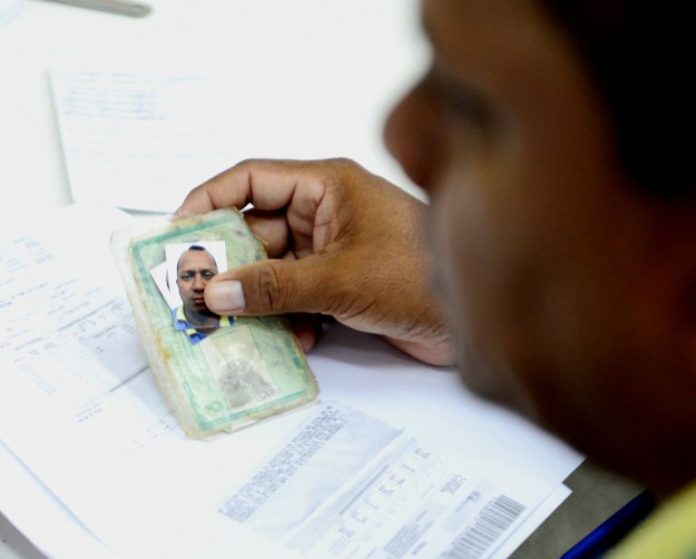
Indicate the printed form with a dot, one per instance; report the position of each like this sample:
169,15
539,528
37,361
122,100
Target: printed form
140,141
76,397
82,412
350,486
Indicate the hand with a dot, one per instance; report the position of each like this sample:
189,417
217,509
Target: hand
341,242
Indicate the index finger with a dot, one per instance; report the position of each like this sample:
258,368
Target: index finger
266,184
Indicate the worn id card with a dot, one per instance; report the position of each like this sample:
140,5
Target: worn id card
219,373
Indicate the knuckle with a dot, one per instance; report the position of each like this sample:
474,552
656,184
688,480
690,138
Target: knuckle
269,288
336,174
246,164
342,163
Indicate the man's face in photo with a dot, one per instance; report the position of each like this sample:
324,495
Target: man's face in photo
194,270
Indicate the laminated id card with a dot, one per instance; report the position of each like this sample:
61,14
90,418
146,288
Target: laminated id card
219,373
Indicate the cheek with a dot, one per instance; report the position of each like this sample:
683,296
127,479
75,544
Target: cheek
478,259
458,233
473,255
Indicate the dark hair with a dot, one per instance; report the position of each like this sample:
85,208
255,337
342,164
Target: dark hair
640,55
196,248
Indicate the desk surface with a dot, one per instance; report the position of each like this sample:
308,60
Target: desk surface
597,494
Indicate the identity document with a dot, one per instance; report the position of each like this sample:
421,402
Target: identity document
219,373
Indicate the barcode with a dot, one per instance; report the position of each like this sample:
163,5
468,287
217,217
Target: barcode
493,520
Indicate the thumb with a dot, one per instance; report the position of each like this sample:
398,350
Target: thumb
269,287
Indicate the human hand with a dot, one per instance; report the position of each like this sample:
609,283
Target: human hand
341,241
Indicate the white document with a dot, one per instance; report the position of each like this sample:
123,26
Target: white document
75,397
26,500
140,141
81,411
350,486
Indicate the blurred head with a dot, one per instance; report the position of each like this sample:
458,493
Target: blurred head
563,218
195,268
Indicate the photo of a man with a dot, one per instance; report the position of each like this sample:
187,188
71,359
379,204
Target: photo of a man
195,267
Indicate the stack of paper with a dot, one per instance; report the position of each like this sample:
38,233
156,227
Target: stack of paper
370,472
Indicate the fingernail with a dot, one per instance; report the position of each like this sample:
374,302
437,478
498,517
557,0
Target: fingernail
181,212
225,297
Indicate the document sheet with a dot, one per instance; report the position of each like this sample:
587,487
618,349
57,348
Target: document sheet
80,409
139,141
350,486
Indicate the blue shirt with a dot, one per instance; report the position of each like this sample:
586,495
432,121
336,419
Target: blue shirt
181,324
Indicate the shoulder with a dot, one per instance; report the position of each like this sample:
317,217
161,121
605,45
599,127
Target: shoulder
179,319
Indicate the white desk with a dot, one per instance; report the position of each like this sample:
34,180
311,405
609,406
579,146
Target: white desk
316,78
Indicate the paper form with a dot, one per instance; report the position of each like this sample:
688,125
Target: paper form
139,141
29,503
73,342
350,486
78,409
75,377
